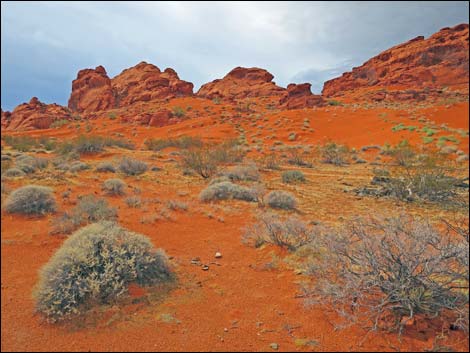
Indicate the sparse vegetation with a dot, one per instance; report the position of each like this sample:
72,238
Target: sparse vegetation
333,153
95,265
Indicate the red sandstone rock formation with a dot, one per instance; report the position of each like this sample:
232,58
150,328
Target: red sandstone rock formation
438,61
145,82
299,96
34,115
242,83
91,91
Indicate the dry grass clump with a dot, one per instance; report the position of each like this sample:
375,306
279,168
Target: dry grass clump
183,142
248,172
333,153
291,233
105,166
293,176
114,187
89,209
131,166
31,199
281,199
95,265
227,190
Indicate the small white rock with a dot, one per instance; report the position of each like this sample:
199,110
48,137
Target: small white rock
218,255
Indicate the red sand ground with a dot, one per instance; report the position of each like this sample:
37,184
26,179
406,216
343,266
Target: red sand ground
248,298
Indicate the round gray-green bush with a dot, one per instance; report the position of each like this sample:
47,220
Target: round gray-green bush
281,199
95,265
31,199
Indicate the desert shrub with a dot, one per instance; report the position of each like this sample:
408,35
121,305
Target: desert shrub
114,187
95,265
78,166
335,103
281,199
403,153
295,157
226,190
271,162
176,205
242,172
333,153
105,167
219,179
89,209
133,201
30,164
385,272
31,199
292,176
178,112
291,233
426,180
89,144
199,161
131,166
13,173
21,143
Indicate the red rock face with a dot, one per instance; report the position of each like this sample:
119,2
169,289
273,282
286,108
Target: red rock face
145,82
91,91
242,83
34,115
299,96
436,62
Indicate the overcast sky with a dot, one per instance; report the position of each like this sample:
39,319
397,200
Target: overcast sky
44,44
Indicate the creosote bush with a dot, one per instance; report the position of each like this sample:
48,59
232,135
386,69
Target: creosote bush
114,187
386,272
248,172
292,176
281,199
31,199
95,265
131,166
227,190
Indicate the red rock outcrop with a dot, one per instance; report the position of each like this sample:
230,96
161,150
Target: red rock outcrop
241,83
299,96
438,61
145,82
91,91
34,115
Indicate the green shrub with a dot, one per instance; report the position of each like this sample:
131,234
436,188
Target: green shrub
31,199
181,142
131,166
95,265
59,123
281,199
178,112
114,187
227,190
292,176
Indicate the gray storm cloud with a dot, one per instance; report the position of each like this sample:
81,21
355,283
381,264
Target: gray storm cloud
44,44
